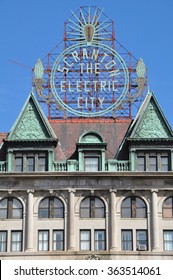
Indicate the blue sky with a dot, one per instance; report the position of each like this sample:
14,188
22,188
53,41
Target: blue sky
30,29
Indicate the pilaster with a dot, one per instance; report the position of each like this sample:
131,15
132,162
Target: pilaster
29,223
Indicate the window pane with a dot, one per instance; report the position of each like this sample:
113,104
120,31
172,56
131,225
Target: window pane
126,240
99,240
126,208
51,208
58,240
168,208
41,164
43,240
140,208
57,208
168,240
85,208
43,208
141,238
19,164
85,240
92,207
164,163
3,209
3,241
17,209
140,163
85,212
16,241
152,163
91,164
30,164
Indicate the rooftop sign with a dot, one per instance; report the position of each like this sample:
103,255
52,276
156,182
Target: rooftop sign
89,78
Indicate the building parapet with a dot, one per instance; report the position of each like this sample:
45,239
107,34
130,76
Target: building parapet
117,165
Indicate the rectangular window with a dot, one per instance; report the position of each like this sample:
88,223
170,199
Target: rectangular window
126,240
43,240
3,241
91,164
141,163
41,163
141,240
164,162
58,240
99,240
16,241
30,162
168,240
153,161
19,164
85,240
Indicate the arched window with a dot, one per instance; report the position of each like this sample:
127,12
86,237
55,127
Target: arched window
92,207
51,207
133,207
11,208
168,208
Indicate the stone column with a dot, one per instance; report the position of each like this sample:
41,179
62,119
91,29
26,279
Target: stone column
29,224
71,221
113,221
132,159
154,229
10,161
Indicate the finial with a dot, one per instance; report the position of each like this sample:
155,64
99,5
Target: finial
140,69
39,69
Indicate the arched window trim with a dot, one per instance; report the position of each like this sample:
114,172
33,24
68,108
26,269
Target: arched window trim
133,210
92,210
167,211
51,210
9,211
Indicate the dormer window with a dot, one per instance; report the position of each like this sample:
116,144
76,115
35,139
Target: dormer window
92,162
153,161
91,152
30,162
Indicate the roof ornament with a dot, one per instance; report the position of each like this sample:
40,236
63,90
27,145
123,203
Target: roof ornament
141,69
39,73
39,69
140,80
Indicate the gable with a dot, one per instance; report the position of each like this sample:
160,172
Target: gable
31,123
151,123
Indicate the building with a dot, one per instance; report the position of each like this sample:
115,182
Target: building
90,184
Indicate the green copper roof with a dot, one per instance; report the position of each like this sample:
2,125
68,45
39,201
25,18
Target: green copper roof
31,123
150,122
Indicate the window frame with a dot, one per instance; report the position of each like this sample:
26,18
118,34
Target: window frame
142,242
148,165
101,242
58,242
43,241
85,241
164,208
166,242
92,208
90,156
133,208
18,242
25,156
50,209
3,243
127,241
10,209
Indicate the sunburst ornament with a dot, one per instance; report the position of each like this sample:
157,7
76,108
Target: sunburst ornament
88,29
